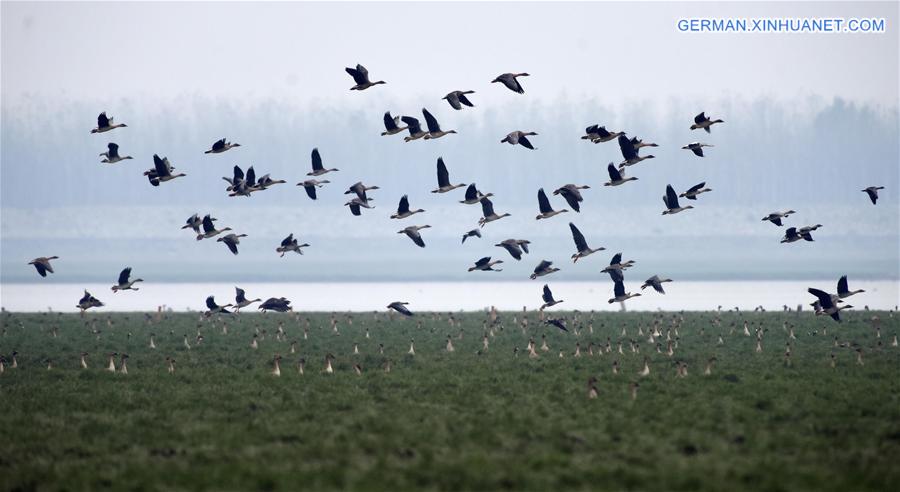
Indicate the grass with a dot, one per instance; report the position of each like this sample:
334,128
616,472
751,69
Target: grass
448,421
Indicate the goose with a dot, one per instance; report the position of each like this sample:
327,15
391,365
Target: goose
232,241
361,77
544,268
42,264
450,344
458,98
487,209
290,244
616,177
671,201
581,244
412,232
124,283
639,144
619,288
194,222
123,364
696,148
240,181
360,190
592,388
414,127
84,360
266,181
515,247
872,191
646,370
775,217
709,366
701,121
112,154
545,208
630,153
434,129
559,323
599,134
215,308
443,177
391,125
509,80
792,234
161,172
310,186
474,196
220,146
827,304
519,137
279,304
472,233
485,264
616,264
88,301
317,168
693,191
547,296
403,210
276,362
240,299
355,205
111,365
572,194
400,307
209,230
170,365
105,124
843,292
656,283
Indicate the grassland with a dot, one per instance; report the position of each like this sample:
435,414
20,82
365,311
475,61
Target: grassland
467,420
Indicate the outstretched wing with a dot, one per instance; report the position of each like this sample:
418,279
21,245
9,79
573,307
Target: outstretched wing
614,174
487,208
211,303
403,206
700,118
310,191
824,297
465,100
628,150
524,142
671,197
316,160
443,175
543,202
616,259
842,285
578,237
288,240
360,74
547,296
543,265
389,123
430,121
102,120
412,123
483,261
619,288
123,275
240,295
696,187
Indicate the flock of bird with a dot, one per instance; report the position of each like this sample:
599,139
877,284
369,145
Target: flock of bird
245,182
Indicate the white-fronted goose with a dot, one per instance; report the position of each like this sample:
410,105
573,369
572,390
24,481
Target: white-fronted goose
403,210
547,296
290,244
572,194
443,177
843,291
509,80
693,191
105,124
240,299
391,125
545,208
356,204
487,210
630,153
671,201
414,127
656,283
310,186
360,190
616,177
872,191
581,244
317,168
696,148
458,98
515,247
474,196
232,241
412,232
599,134
519,137
124,283
775,217
42,264
472,233
361,77
162,171
221,146
400,307
209,230
112,154
485,264
214,308
827,304
616,264
434,129
701,121
544,268
619,294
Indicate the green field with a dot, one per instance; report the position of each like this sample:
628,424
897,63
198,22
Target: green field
467,420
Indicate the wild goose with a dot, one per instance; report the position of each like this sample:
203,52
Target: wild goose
310,186
360,190
112,154
434,129
619,294
458,98
487,210
266,181
547,296
671,201
170,365
572,194
88,301
42,264
474,196
701,121
111,365
520,138
105,124
515,247
241,184
443,177
317,168
290,244
656,283
592,388
599,134
696,148
412,232
232,241
240,299
391,125
872,191
792,234
693,191
194,222
616,264
124,283
485,264
279,304
355,205
209,230
615,176
544,268
775,217
843,292
361,77
472,233
827,304
414,127
509,80
220,146
559,323
161,172
123,364
276,365
630,153
403,210
400,307
639,144
84,360
581,244
214,308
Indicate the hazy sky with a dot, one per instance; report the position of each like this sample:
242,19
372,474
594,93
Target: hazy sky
810,120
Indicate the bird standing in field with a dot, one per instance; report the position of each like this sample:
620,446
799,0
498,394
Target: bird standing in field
547,296
220,146
872,191
581,244
701,121
443,177
458,98
361,77
42,264
412,232
124,282
511,82
519,137
400,307
105,124
112,154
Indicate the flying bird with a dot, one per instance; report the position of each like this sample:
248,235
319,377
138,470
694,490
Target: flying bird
310,186
630,152
434,129
545,208
391,125
511,82
485,264
105,124
124,282
558,322
209,230
616,264
544,268
162,171
547,296
599,134
474,196
701,121
656,283
843,291
472,233
400,307
42,264
693,191
827,304
696,148
317,168
616,177
872,191
88,301
232,241
443,177
515,247
520,138
487,210
458,98
361,77
412,232
220,146
112,154
403,210
279,304
775,217
214,308
671,201
356,205
240,299
572,194
414,127
581,244
290,244
619,294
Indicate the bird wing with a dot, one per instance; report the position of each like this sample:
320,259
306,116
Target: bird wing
389,123
700,118
430,121
601,130
123,275
842,285
238,176
211,303
219,144
465,100
790,232
578,237
251,176
232,245
472,192
696,187
487,207
454,99
310,191
316,160
160,166
628,150
240,295
543,265
824,297
873,195
524,142
547,296
102,120
354,207
416,237
207,224
543,202
619,288
113,149
671,197
41,268
403,206
288,240
572,198
776,221
616,259
412,123
359,76
443,175
483,261
616,275
85,298
614,174
521,244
